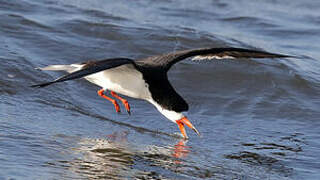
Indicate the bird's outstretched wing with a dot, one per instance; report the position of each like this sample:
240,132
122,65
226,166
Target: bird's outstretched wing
88,68
167,60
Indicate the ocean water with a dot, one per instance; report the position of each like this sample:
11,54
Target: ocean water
259,118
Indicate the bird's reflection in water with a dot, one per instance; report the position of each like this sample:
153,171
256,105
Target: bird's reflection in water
108,158
115,158
180,150
118,137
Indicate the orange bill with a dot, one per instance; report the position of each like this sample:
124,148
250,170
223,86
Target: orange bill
184,121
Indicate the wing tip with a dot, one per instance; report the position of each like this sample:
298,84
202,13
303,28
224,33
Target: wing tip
281,56
233,53
41,85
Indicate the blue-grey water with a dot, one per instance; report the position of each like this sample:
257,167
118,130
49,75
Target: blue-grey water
259,118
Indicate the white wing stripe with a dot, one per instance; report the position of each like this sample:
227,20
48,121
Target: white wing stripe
210,57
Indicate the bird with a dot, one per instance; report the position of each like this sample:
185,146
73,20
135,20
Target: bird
147,79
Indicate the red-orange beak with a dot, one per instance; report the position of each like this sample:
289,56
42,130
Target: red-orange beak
184,121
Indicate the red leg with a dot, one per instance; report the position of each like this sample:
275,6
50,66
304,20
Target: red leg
124,101
114,102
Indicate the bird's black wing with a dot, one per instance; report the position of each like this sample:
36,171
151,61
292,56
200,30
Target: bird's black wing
167,60
89,67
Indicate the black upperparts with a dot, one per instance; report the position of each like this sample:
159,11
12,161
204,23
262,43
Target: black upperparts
162,91
155,70
165,61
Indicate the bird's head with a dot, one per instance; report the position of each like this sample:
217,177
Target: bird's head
179,118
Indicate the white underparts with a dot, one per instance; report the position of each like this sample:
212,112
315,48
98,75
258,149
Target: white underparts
171,115
125,80
128,81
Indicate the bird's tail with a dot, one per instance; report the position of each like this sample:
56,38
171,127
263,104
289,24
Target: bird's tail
68,68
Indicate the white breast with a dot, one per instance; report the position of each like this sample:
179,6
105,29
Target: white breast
124,79
171,115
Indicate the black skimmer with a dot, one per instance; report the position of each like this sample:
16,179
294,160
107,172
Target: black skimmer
147,79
